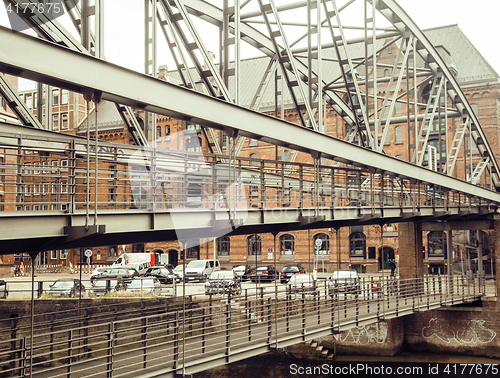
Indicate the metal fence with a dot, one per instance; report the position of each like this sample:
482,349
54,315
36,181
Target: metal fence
190,337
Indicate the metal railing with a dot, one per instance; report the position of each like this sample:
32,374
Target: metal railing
41,175
220,329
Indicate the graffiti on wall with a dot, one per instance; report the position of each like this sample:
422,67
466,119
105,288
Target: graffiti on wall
373,333
472,332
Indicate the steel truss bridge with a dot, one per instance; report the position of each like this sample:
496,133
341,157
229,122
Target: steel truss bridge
336,65
151,340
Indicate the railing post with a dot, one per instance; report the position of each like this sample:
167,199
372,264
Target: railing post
303,299
203,328
441,290
269,322
228,330
13,343
176,341
111,342
144,337
70,346
22,360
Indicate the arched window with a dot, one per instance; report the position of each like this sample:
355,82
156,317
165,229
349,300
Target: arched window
324,248
254,163
436,243
399,134
357,243
158,132
223,246
287,243
254,245
426,93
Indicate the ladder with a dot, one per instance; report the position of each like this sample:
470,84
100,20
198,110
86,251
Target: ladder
458,138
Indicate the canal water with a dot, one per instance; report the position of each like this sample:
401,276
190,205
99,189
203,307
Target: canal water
283,365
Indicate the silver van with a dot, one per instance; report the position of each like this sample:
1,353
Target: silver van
200,270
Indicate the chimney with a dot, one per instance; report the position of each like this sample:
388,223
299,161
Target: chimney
162,72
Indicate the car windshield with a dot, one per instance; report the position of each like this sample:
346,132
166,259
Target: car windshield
196,264
63,284
137,283
178,268
222,275
263,269
241,267
159,271
117,271
290,269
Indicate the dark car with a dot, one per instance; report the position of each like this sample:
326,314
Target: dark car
290,270
263,274
242,271
69,287
123,274
4,289
163,274
223,282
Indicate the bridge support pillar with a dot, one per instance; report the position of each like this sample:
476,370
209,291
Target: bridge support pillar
496,237
411,260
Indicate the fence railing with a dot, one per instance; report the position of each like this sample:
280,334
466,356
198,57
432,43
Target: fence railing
219,329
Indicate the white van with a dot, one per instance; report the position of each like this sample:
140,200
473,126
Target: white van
200,270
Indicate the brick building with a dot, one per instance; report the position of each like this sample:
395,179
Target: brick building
364,248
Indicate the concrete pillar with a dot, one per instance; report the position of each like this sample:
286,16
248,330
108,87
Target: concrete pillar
496,237
411,261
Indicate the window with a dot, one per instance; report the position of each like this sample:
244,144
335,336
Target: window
2,103
64,187
254,163
436,243
398,109
53,255
357,243
64,121
29,100
55,97
399,134
112,251
324,248
64,96
252,143
55,122
64,254
193,249
387,73
223,246
254,245
158,132
287,243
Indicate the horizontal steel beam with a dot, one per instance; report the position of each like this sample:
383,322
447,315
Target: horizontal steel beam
47,62
31,231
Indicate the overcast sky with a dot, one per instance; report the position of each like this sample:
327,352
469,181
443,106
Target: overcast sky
478,19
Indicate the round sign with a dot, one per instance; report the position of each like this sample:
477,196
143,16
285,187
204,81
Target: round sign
88,252
318,242
270,250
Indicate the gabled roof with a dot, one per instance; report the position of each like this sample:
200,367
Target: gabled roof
471,65
108,118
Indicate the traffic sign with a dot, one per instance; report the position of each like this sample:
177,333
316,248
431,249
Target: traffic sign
88,252
318,242
270,250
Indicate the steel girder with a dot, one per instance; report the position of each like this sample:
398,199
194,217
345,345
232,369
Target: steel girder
59,66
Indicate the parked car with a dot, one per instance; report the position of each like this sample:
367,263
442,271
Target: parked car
100,287
301,282
179,270
263,273
288,271
223,282
200,270
123,273
96,272
145,285
242,271
141,267
345,281
69,287
4,289
162,274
